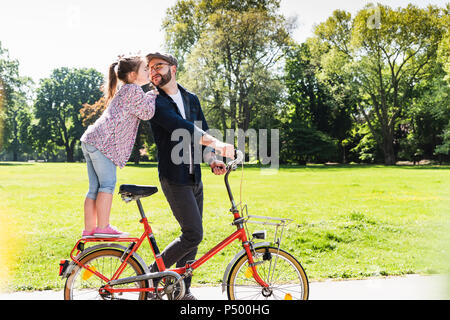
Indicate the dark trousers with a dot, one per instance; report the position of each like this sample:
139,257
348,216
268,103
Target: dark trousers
186,202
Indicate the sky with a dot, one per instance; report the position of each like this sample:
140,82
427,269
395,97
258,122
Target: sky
47,34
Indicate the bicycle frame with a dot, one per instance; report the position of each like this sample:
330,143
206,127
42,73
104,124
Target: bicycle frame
135,243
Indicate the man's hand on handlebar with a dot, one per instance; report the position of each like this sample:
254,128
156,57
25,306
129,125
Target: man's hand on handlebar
218,167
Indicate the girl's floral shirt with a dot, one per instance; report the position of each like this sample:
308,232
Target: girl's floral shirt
114,133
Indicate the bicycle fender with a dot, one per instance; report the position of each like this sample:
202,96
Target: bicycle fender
236,258
89,250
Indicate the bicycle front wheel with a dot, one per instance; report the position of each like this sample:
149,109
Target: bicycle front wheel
83,284
286,278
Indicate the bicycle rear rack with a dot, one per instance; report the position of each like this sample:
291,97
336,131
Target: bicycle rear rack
279,223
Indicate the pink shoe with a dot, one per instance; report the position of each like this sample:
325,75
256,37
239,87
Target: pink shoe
87,234
109,232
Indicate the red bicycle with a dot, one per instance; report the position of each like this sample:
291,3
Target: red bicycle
109,270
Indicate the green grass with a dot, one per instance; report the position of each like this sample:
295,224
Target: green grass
349,221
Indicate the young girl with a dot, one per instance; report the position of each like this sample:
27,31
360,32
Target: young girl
109,141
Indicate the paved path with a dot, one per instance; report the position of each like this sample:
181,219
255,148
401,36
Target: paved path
413,287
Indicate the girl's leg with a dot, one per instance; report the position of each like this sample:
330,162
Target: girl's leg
106,174
105,171
90,211
90,214
103,205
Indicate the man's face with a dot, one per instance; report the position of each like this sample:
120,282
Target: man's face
160,72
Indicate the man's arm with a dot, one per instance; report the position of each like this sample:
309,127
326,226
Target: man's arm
218,167
225,149
167,118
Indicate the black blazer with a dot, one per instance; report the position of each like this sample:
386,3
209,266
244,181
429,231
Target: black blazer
166,120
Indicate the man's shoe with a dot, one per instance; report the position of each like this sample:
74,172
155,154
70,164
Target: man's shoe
189,296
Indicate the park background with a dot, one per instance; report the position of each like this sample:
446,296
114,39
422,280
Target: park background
357,90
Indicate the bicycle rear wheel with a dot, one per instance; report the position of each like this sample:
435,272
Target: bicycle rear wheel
84,285
286,278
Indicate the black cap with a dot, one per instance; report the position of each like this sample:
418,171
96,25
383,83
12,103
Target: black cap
164,56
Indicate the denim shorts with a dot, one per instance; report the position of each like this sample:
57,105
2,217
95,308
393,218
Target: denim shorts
101,171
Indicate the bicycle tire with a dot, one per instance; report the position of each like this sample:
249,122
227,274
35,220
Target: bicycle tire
84,285
287,282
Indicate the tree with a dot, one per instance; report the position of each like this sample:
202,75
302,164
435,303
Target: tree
15,114
58,103
91,112
230,56
302,143
443,150
187,19
382,61
19,117
9,73
312,102
428,114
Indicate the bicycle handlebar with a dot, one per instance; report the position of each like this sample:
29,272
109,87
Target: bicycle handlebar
239,157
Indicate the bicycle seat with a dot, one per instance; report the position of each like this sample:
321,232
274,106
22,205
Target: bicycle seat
136,191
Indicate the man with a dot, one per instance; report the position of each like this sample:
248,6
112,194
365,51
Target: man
176,108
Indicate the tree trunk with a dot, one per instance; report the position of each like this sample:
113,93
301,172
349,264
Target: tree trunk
388,150
246,116
69,154
70,147
233,111
344,155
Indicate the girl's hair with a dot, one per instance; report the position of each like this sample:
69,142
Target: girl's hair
119,70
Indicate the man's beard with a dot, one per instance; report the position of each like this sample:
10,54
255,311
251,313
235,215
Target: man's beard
165,78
